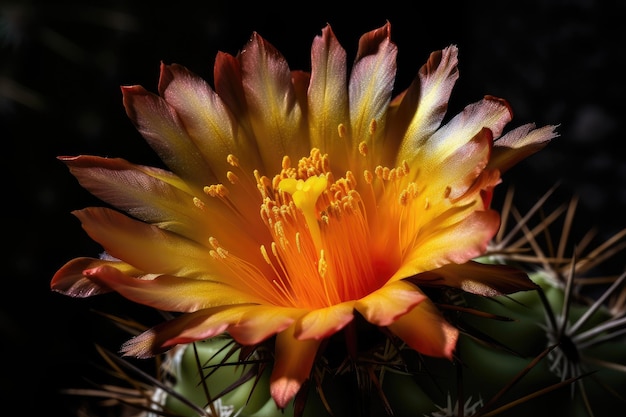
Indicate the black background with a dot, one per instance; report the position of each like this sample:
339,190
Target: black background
61,65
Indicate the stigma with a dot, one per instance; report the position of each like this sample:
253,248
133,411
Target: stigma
305,194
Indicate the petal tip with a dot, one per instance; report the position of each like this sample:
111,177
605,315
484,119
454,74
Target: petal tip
283,390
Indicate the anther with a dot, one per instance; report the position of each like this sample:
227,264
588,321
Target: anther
373,126
341,130
369,177
216,190
232,160
351,179
286,162
198,203
232,177
363,149
214,243
405,167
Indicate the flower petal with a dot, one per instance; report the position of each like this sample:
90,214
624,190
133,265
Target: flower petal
427,331
208,122
146,247
424,104
161,198
490,112
324,322
370,89
149,194
327,97
519,144
385,305
185,328
486,280
70,279
275,113
169,293
456,243
159,124
262,321
292,365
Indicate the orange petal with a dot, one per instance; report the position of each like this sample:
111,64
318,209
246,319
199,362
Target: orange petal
385,305
292,365
169,293
262,321
425,330
186,328
323,322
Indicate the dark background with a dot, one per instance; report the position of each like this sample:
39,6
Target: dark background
62,62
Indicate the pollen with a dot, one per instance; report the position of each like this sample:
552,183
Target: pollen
216,190
363,148
232,160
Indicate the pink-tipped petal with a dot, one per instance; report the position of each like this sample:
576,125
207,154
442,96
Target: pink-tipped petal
70,280
423,105
427,331
371,85
327,97
275,113
292,366
520,143
159,124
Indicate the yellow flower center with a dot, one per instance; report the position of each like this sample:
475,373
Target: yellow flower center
319,252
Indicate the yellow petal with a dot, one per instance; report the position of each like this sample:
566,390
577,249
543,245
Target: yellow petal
169,293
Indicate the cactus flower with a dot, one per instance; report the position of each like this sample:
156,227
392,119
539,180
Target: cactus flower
290,201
